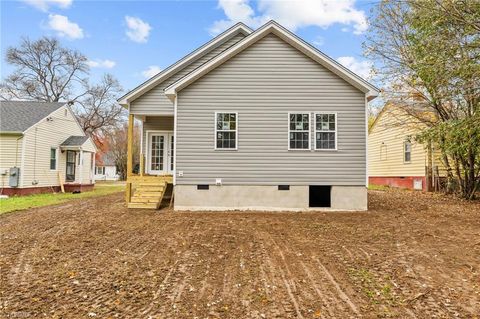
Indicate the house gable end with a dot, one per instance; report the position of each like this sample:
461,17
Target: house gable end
288,37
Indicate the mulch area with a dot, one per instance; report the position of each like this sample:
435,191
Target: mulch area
412,255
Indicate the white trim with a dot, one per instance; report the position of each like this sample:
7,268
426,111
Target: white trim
156,79
366,145
236,131
309,131
56,158
175,142
80,166
273,27
329,131
166,169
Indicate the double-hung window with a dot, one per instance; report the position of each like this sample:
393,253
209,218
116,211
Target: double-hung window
53,158
407,152
299,131
226,129
325,131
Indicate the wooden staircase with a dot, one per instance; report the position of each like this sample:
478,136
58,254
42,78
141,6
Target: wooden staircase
146,192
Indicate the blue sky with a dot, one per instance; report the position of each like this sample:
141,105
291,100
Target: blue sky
134,39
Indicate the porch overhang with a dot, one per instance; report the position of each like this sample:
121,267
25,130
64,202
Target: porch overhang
75,143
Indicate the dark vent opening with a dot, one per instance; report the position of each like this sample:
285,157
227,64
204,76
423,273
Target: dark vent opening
320,196
283,187
203,186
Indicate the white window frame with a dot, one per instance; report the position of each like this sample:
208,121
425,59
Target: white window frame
216,130
50,158
103,170
329,131
309,131
405,151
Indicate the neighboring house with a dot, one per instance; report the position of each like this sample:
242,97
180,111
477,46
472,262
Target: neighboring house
394,158
105,169
252,120
41,146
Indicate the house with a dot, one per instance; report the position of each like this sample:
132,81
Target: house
105,169
41,147
395,159
255,120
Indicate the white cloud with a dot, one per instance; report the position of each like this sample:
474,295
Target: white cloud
151,71
292,14
318,41
44,5
137,29
362,68
64,27
107,64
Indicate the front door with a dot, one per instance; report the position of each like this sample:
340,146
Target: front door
160,153
70,172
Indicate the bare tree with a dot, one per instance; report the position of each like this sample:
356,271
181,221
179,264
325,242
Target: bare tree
45,71
117,139
428,52
97,109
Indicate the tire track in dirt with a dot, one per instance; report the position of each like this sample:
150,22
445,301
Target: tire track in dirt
335,292
341,293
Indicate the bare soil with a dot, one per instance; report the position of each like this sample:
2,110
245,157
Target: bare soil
412,255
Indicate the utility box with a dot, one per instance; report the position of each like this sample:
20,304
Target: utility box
14,177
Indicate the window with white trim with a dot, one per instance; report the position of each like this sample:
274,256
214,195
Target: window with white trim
325,131
407,151
53,158
299,131
100,170
226,131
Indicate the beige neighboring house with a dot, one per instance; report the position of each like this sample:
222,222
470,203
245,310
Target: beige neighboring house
41,146
394,158
253,119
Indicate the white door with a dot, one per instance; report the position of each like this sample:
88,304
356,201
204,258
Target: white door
160,153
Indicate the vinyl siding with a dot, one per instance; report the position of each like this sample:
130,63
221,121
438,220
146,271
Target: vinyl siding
39,140
392,129
155,123
155,102
263,83
10,155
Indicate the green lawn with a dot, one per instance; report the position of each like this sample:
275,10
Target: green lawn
23,202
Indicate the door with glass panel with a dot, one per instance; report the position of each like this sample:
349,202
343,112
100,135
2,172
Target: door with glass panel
160,153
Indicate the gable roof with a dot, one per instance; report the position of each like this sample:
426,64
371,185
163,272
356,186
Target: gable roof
18,116
273,27
75,141
180,64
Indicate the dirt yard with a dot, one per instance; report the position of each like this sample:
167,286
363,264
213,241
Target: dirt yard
411,256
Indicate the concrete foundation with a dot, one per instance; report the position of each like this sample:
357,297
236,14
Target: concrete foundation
266,198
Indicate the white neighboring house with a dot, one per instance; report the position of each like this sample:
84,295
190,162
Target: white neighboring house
106,171
41,146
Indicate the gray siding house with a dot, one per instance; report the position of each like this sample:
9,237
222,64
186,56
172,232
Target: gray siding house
256,120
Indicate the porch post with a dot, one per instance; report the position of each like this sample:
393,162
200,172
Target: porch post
93,167
128,189
130,145
81,168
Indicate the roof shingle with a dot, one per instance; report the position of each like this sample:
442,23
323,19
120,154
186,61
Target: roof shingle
18,116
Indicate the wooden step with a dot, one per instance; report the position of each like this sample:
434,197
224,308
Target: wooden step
146,200
150,189
143,205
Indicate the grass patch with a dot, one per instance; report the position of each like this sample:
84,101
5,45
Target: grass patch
24,202
378,187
